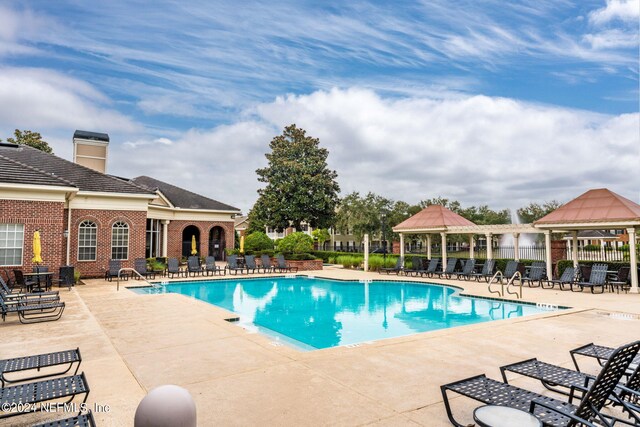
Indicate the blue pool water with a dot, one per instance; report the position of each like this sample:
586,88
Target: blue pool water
313,313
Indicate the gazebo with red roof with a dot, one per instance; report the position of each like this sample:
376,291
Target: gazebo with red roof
598,209
432,219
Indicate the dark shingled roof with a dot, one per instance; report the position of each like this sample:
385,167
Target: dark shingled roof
83,178
18,173
182,198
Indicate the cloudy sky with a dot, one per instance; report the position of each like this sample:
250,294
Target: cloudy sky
486,102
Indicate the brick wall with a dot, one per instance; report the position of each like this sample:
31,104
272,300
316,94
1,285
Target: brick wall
176,227
48,218
558,252
104,219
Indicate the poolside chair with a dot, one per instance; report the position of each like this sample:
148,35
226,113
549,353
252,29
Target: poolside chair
21,281
468,269
599,352
80,420
567,278
552,412
173,268
416,266
621,281
487,271
210,267
8,295
535,276
434,263
29,397
511,269
283,266
397,269
66,276
448,273
232,265
266,264
140,266
32,312
33,366
598,277
250,264
114,269
193,266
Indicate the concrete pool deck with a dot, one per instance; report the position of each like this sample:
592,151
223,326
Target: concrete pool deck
131,343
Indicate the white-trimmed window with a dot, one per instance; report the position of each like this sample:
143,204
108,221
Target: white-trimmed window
87,241
11,244
120,240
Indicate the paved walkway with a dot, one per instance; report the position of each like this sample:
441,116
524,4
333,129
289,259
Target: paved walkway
131,343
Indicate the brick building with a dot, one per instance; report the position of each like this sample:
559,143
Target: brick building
87,217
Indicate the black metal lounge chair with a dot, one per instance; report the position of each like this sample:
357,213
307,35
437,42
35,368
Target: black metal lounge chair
449,271
416,267
266,264
487,271
21,281
396,269
250,264
552,412
511,269
434,263
536,275
598,277
193,266
283,266
114,269
33,365
173,268
80,420
210,267
621,281
29,397
232,265
467,270
32,312
567,278
9,296
140,265
567,381
599,352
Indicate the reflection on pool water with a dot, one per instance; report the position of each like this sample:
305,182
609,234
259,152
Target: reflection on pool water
311,313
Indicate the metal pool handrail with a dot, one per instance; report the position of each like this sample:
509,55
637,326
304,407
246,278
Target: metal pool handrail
127,269
497,278
510,283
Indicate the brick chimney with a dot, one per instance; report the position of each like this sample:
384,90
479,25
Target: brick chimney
90,149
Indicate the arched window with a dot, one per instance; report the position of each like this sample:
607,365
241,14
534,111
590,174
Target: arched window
120,240
87,237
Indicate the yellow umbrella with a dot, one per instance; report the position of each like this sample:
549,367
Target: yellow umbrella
241,244
37,248
193,245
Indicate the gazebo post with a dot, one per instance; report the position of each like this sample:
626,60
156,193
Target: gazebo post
574,248
489,245
547,247
516,246
402,248
429,246
633,258
443,242
366,252
471,253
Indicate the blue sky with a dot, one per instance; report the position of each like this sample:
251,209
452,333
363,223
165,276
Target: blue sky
220,79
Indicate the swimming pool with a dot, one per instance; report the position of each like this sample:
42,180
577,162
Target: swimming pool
312,313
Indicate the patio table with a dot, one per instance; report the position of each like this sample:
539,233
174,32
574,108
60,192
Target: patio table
47,275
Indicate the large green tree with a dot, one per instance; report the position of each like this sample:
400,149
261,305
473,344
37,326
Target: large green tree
534,211
300,187
32,139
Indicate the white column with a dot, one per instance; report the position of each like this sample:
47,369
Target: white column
516,246
366,252
471,250
165,233
443,242
574,248
547,246
428,246
402,248
633,260
489,245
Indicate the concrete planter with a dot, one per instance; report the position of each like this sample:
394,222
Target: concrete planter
306,265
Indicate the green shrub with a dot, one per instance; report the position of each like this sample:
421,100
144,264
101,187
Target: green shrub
301,257
76,276
270,253
349,261
258,241
296,243
375,262
591,248
356,261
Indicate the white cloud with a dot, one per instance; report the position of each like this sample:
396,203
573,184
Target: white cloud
478,149
612,39
623,10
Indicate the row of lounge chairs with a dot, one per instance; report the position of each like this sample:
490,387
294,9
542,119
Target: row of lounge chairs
194,267
30,307
29,383
618,383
